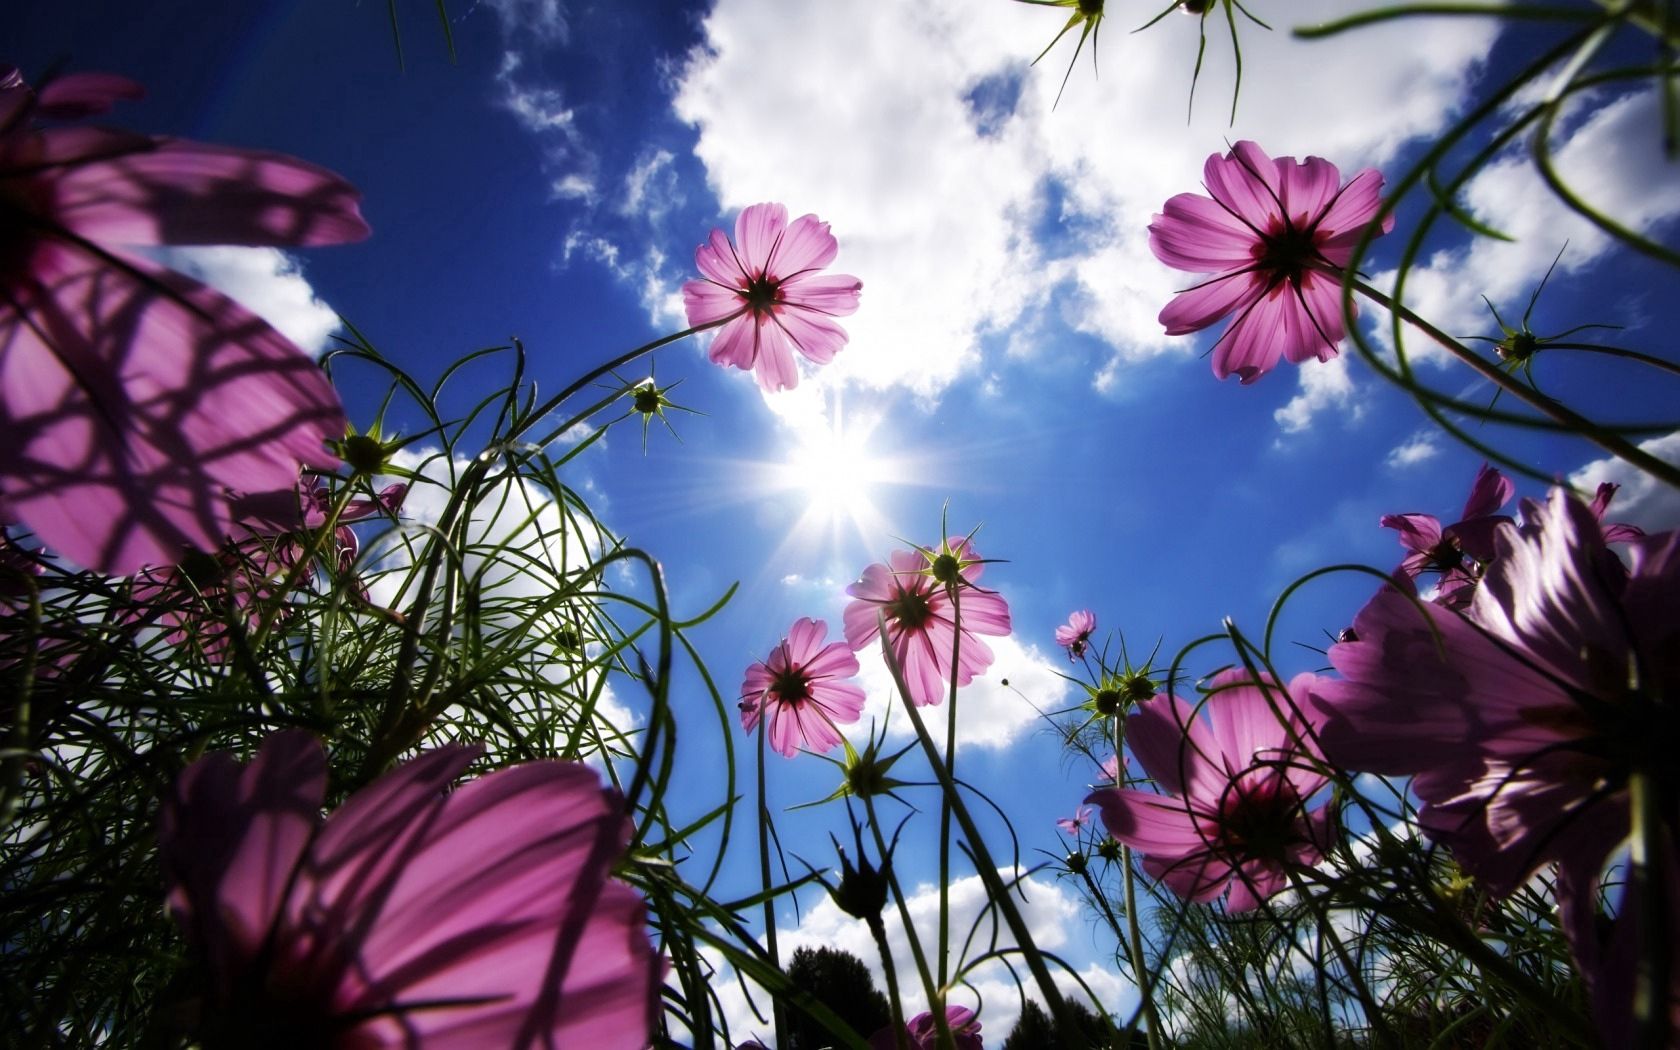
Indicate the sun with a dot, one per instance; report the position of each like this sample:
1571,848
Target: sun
835,468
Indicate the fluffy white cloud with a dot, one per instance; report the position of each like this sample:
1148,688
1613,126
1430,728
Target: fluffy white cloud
1642,499
990,714
922,134
1324,386
266,281
1049,911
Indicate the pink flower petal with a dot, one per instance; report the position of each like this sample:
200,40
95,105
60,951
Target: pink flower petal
806,245
180,192
123,443
1195,308
758,229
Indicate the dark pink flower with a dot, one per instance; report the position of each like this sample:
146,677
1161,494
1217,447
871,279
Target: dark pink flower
921,610
1457,552
195,600
800,689
1520,720
1075,635
132,398
924,1032
1272,235
767,284
1237,785
412,915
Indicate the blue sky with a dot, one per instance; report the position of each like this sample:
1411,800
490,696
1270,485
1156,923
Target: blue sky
1005,361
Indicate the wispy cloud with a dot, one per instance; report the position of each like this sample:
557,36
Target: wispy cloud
1421,447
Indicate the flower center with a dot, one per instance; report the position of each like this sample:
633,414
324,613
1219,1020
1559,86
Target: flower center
1286,254
1446,556
1259,819
910,609
762,294
791,686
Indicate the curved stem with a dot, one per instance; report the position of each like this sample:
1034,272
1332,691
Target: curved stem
1609,442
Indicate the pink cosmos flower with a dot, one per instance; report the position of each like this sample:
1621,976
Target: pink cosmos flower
1112,765
924,1032
412,915
1238,783
921,611
1075,824
766,283
1520,720
799,688
1266,234
1458,552
132,398
1075,635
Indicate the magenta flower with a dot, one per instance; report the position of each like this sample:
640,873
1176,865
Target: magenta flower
799,688
924,1032
1521,720
1457,552
1273,236
132,398
1075,635
1075,824
766,287
921,610
1237,785
412,915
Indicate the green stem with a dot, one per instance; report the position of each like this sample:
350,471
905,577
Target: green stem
944,799
996,891
1651,982
901,1035
1134,932
764,875
1606,440
929,989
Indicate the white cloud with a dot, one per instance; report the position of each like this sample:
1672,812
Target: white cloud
924,137
266,281
1642,499
1421,447
1324,386
1048,911
989,714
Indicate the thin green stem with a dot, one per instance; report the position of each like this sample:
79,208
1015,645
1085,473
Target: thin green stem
986,868
1610,442
929,989
764,877
901,1035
